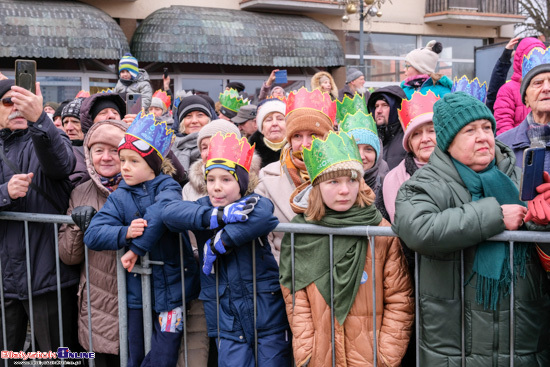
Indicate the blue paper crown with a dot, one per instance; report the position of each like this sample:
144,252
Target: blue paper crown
473,88
155,133
537,56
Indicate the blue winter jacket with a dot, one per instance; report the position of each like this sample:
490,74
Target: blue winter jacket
235,270
518,141
440,88
108,230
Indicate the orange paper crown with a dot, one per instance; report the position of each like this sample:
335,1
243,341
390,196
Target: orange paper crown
230,148
82,94
165,98
418,104
315,100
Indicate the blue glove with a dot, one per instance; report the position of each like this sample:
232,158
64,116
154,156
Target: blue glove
211,251
233,213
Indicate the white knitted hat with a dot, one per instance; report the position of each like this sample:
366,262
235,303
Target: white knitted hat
425,59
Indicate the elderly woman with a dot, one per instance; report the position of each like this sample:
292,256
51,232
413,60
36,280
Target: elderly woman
419,143
100,150
270,137
465,194
308,115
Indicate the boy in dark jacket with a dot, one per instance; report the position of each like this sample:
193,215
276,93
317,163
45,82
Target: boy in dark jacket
131,218
243,309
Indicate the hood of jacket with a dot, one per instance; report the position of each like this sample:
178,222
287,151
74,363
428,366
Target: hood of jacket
316,83
393,94
88,158
85,110
523,49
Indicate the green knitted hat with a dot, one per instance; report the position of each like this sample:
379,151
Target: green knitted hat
453,112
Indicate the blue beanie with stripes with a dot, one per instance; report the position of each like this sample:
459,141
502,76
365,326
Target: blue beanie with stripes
130,63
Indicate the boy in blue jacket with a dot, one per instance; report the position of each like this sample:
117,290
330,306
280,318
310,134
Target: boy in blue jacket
232,228
131,218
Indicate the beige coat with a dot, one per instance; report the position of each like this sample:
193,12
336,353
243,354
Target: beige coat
315,83
102,264
310,318
277,186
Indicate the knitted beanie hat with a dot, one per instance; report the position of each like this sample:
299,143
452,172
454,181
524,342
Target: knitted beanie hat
72,109
307,119
59,109
352,74
102,103
424,59
157,102
223,126
453,112
266,107
130,63
193,103
349,168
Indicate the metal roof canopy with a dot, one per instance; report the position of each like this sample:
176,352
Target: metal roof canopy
185,34
58,29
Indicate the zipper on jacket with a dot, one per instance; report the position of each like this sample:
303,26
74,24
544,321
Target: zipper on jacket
495,338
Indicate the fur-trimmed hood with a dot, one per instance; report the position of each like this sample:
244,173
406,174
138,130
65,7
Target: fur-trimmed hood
316,83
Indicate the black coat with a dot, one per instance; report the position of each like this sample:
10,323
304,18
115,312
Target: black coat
47,152
267,154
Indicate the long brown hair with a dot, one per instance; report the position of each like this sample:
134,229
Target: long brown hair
316,208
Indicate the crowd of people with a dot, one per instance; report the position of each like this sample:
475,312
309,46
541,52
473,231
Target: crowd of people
199,186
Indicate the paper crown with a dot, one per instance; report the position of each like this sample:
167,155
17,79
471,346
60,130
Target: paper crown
165,98
283,99
359,120
315,100
322,154
106,91
82,94
228,148
537,56
473,88
155,133
231,100
419,104
350,106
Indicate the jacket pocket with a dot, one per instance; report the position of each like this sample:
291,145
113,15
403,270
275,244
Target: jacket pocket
440,325
271,312
227,319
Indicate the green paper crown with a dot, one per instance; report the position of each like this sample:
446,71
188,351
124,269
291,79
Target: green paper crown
359,120
337,148
349,105
231,100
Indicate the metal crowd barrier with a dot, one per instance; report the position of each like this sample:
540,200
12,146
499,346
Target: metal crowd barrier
145,270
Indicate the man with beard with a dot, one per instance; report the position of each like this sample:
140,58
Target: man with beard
383,104
355,83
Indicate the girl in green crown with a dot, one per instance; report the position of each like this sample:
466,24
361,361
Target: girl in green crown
339,197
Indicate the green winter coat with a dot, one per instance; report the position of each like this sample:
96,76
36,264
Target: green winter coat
435,216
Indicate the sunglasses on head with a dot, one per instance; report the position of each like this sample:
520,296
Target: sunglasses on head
7,102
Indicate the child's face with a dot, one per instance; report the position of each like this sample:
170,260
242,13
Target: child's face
223,189
326,86
134,168
368,155
339,194
125,74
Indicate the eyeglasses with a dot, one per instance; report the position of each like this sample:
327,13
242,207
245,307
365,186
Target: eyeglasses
7,102
407,66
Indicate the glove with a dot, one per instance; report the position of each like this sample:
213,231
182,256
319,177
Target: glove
211,251
539,208
82,216
233,213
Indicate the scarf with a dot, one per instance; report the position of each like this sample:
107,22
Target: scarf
312,257
274,146
491,263
110,183
295,166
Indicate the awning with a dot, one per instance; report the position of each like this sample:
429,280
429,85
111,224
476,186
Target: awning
58,29
185,34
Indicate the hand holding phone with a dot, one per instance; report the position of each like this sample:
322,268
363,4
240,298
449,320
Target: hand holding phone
281,77
133,103
25,74
532,173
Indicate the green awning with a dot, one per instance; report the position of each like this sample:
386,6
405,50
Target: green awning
185,34
58,29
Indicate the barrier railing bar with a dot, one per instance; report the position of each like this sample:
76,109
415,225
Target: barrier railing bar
58,282
122,311
29,283
184,307
218,301
374,338
146,303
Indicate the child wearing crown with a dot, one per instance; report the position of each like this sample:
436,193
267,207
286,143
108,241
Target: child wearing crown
240,278
131,219
340,198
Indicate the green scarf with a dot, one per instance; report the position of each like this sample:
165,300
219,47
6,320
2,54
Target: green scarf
312,257
492,259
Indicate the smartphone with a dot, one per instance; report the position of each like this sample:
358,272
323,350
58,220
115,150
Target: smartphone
25,74
281,77
165,72
133,103
532,173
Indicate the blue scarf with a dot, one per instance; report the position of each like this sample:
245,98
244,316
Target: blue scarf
492,259
110,182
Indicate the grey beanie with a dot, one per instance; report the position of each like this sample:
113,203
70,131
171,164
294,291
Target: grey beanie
353,74
72,109
210,129
157,102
